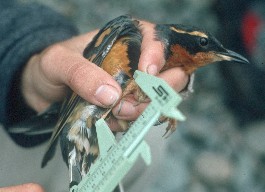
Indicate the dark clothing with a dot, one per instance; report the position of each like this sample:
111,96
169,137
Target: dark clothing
25,29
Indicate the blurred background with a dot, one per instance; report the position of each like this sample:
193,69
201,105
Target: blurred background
221,146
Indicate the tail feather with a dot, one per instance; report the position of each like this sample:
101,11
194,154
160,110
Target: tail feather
49,154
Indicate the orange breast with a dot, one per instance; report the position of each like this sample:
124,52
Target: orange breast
189,63
179,57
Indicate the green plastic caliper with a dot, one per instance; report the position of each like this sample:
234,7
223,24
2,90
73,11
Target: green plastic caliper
117,158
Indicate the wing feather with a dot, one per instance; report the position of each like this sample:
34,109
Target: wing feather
96,51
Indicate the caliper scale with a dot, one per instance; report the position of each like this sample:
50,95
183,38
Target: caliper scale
117,158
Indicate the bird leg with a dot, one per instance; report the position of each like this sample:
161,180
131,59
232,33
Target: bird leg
141,97
171,127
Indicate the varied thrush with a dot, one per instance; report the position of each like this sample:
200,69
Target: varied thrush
117,48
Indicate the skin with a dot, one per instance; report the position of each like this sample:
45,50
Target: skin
29,187
49,75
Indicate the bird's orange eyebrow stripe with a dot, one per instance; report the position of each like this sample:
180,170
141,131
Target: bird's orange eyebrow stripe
196,33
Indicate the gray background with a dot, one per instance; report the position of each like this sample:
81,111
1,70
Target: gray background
208,152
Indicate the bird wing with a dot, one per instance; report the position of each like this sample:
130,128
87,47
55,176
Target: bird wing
96,51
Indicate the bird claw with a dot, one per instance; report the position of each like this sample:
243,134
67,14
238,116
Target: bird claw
171,127
106,113
120,106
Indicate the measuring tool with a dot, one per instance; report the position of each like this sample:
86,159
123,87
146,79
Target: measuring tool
117,158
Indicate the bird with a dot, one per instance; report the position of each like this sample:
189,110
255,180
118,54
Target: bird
116,48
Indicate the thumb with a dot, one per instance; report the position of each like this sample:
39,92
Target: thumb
91,82
61,66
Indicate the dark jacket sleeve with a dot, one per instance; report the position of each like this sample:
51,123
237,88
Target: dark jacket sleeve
25,29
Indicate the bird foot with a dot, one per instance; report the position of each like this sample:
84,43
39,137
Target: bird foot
171,127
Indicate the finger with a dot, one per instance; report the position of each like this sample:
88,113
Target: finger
152,51
85,78
92,83
128,108
29,187
117,125
176,78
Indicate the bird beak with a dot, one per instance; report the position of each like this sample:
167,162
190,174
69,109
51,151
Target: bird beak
233,56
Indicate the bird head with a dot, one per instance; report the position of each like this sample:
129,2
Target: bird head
191,48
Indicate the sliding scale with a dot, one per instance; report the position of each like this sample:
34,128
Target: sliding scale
117,158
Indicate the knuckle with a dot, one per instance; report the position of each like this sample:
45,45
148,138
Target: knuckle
57,48
74,75
50,55
180,77
53,51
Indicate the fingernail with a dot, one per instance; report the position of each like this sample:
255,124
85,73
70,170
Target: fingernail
124,108
107,95
152,69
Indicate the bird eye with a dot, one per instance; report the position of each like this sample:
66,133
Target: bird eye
203,41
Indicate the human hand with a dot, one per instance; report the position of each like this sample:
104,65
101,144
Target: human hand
151,61
29,187
48,75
